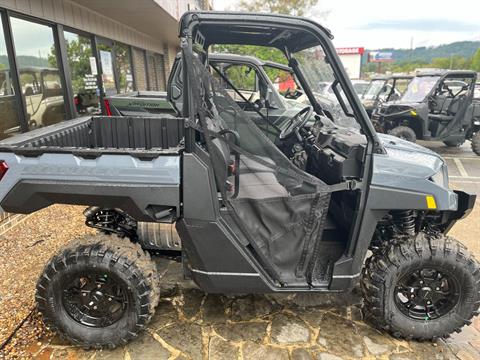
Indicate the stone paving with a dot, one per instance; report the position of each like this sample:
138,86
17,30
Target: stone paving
190,324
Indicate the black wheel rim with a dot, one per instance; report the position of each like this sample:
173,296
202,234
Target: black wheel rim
95,299
426,294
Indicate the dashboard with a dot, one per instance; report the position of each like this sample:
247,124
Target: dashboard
336,154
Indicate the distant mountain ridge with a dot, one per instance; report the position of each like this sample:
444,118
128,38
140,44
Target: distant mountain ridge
426,54
24,61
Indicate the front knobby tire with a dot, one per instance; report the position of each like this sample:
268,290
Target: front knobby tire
453,144
99,291
404,132
448,267
476,143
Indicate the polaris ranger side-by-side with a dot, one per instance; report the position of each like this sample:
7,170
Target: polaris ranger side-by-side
251,216
435,106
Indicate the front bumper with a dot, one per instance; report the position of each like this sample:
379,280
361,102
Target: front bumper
466,202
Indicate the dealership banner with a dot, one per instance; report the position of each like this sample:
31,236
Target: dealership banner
377,56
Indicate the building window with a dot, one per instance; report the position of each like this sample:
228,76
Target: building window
83,73
39,75
9,119
139,69
156,72
123,64
105,53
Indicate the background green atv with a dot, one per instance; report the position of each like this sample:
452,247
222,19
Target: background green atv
436,106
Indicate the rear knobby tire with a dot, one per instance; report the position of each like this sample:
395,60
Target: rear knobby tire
385,267
404,132
118,258
476,143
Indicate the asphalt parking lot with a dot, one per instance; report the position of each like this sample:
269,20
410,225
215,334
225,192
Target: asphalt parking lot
463,164
189,324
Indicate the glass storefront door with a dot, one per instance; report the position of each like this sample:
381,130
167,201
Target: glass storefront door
105,53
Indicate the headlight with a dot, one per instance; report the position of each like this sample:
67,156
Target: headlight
441,177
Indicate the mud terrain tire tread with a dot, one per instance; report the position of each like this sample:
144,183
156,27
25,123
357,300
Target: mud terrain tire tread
476,143
121,256
385,264
409,134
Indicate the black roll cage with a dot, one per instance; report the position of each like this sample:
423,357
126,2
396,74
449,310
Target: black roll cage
449,74
249,23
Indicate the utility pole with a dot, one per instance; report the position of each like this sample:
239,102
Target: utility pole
411,48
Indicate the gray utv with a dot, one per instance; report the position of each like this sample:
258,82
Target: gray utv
316,210
436,106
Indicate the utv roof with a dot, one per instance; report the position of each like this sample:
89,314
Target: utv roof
393,76
246,58
455,73
252,29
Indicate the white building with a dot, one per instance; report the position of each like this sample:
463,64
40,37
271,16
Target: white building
352,60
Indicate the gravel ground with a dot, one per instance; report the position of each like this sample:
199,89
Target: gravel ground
24,251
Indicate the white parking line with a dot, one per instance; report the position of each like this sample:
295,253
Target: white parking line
460,167
465,181
464,177
461,157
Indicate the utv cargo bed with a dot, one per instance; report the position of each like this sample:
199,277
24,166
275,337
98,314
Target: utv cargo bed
103,134
125,162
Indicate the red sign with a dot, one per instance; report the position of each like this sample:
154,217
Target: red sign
351,51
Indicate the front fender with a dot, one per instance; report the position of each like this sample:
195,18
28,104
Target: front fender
466,202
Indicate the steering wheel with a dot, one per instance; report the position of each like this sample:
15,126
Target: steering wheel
296,122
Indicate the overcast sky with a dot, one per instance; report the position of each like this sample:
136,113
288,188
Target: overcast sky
385,23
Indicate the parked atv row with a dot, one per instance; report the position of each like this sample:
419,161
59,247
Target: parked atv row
436,106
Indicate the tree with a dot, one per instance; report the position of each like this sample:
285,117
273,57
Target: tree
475,62
79,52
288,7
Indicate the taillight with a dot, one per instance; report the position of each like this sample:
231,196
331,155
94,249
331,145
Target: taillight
3,168
108,111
